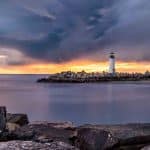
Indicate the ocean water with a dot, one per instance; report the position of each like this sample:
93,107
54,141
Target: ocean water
98,103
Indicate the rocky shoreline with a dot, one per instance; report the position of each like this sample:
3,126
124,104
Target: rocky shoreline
83,77
18,134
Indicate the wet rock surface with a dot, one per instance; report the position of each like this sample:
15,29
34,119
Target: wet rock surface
30,145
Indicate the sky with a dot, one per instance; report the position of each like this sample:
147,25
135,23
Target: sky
48,36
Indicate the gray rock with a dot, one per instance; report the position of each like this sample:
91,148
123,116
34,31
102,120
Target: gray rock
45,132
12,126
30,145
64,125
6,136
94,139
123,132
130,147
130,135
2,118
20,119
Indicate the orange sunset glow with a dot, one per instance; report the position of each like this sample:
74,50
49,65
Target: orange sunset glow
76,66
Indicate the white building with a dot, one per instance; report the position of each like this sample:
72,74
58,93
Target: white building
112,69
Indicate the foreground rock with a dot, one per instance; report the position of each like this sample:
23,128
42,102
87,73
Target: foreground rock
94,139
12,127
16,133
2,118
130,136
63,125
86,137
46,132
20,119
30,145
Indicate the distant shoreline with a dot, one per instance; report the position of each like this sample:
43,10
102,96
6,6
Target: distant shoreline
83,77
113,82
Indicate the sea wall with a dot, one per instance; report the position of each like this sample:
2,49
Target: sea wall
18,133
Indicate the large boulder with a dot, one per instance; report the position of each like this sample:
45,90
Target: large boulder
2,118
123,136
30,145
123,131
20,119
94,139
45,132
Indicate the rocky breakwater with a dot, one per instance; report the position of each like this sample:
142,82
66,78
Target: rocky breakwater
18,133
83,77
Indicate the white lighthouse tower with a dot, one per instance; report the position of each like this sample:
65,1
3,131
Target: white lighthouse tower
112,69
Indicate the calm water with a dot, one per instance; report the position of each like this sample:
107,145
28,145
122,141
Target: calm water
80,103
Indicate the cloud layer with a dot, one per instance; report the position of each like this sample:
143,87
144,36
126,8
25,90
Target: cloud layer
62,30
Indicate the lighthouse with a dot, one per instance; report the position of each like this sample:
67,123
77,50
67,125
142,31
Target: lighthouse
112,63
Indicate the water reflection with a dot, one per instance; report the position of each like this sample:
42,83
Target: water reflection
80,103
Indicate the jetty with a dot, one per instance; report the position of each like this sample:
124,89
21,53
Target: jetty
84,77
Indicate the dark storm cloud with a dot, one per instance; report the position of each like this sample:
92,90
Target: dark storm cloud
61,30
131,34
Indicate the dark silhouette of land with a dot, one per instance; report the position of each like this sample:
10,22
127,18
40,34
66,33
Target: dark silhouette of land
83,77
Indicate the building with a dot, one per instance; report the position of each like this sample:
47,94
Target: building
112,60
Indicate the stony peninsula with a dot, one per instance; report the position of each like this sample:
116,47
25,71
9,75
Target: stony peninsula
17,133
84,77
